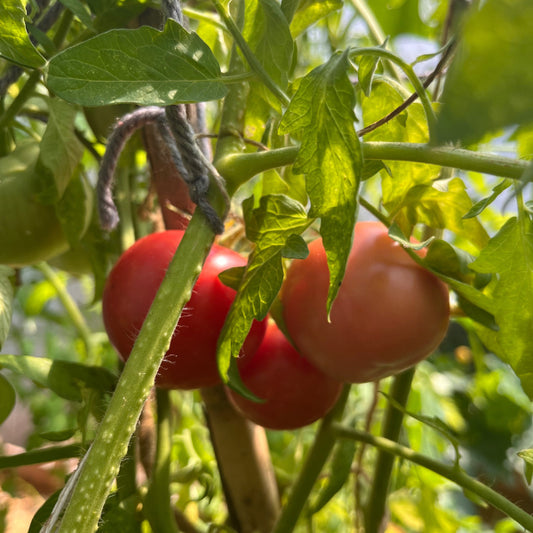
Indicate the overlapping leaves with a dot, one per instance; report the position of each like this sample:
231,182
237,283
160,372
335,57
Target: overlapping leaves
275,227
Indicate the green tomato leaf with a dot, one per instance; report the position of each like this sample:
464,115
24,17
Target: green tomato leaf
15,44
447,259
274,226
399,16
339,472
60,151
81,11
322,113
267,33
510,255
487,86
485,202
311,11
143,66
116,13
63,377
6,302
440,209
8,398
365,72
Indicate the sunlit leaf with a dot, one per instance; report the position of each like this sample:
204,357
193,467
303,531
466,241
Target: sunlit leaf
441,209
322,114
311,11
510,255
143,66
488,86
275,227
15,44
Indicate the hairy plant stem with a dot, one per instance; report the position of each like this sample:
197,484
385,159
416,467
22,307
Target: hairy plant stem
71,308
103,459
317,456
250,164
453,473
392,424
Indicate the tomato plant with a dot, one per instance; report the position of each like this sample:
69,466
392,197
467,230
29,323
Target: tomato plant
293,392
389,314
190,361
269,123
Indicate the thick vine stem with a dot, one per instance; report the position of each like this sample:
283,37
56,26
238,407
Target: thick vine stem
392,424
453,473
325,439
103,459
247,165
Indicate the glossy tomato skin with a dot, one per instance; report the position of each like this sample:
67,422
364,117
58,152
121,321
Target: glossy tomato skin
389,313
131,287
295,392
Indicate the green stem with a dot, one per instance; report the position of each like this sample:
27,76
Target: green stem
45,455
249,164
16,105
157,503
103,459
316,458
392,424
452,473
71,308
411,75
446,156
249,55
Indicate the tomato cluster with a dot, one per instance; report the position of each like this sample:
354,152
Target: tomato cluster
131,287
389,314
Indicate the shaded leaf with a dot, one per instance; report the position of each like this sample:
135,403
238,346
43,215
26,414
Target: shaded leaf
63,377
60,150
480,206
487,86
15,44
143,66
339,471
510,255
275,227
322,114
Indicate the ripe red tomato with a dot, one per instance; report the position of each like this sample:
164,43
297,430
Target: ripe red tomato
295,392
131,287
389,314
